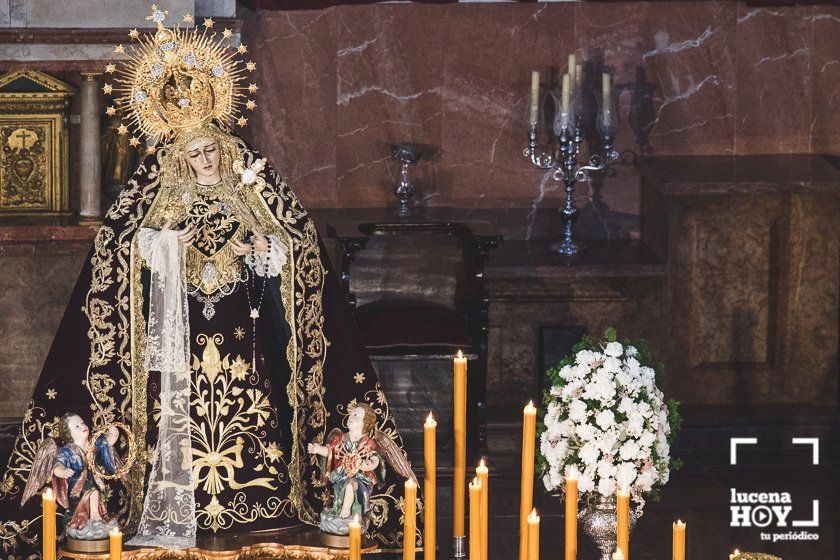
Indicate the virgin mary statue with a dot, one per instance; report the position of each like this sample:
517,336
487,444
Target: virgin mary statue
206,319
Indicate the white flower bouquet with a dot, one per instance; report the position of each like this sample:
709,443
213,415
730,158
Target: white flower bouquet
605,418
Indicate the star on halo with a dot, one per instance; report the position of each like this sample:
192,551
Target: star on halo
188,18
110,111
110,68
150,150
227,33
122,129
250,66
133,34
359,378
242,49
208,23
119,49
107,88
250,105
252,88
134,141
241,121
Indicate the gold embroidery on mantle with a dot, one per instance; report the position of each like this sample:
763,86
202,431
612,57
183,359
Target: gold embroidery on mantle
229,412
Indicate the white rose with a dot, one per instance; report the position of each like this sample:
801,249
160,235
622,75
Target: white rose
645,480
647,439
606,487
626,474
586,482
249,176
624,378
626,405
549,486
605,419
630,350
635,424
629,450
589,454
614,349
612,364
607,442
606,469
585,432
577,411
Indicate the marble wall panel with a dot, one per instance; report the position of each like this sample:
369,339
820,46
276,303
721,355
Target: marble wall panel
825,75
689,63
295,122
34,295
773,82
389,73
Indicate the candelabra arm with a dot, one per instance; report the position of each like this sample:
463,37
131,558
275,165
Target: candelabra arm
537,157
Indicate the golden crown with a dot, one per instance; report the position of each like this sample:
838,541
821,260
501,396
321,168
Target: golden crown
179,78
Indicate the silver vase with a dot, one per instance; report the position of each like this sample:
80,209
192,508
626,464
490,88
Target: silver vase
600,524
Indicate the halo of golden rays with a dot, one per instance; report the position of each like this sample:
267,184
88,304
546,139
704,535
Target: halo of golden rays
179,78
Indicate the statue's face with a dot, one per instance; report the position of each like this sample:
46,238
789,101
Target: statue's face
78,429
356,420
203,156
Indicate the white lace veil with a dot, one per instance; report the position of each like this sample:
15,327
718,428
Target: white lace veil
168,517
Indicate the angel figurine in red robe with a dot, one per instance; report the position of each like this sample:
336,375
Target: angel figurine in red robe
353,462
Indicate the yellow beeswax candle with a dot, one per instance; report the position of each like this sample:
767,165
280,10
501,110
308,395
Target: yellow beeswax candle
410,520
355,539
48,522
533,536
526,501
460,428
475,519
429,487
623,519
678,548
571,515
115,544
483,475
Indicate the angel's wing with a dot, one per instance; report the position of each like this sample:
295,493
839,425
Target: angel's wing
334,433
393,455
42,467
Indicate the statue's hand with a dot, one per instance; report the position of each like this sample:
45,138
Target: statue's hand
62,472
317,449
240,247
260,242
113,435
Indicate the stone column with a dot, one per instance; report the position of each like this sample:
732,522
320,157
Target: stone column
90,170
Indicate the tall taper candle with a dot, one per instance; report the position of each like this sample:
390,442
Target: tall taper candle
526,500
115,544
571,515
565,93
623,521
535,98
678,549
606,88
355,539
429,487
48,523
460,459
579,76
572,65
475,519
533,536
483,474
410,520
